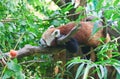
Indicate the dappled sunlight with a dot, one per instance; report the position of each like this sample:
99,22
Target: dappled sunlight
52,6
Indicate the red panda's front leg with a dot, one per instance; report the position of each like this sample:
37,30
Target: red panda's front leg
72,46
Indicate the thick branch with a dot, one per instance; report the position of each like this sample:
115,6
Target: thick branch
30,50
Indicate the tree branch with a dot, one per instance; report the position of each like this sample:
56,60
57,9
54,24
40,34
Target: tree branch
8,20
30,50
14,19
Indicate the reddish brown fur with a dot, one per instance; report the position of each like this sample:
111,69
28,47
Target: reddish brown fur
84,33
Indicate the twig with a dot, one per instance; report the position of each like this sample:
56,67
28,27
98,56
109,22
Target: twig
32,61
60,17
14,19
8,20
3,59
19,40
115,40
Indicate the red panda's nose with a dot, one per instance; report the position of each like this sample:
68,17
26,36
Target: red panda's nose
43,42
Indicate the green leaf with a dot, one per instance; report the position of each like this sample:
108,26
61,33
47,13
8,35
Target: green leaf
79,70
96,28
108,13
98,6
7,74
67,8
15,60
86,71
10,29
56,22
118,69
76,60
102,70
89,1
116,2
115,16
23,22
79,9
95,3
1,57
118,76
71,65
1,24
98,72
105,73
20,75
14,66
13,26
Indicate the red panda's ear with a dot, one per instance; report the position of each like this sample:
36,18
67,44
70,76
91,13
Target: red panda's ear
56,33
52,26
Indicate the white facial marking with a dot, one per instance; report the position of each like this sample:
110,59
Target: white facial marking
52,26
49,40
56,33
49,35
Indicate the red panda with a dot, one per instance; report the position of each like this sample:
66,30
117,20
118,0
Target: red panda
82,36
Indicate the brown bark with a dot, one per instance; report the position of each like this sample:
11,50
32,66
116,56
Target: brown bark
72,11
81,13
59,2
30,50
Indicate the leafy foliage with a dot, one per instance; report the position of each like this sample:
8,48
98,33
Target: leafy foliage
13,69
101,67
23,21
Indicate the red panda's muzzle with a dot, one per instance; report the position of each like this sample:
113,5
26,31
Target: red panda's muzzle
43,42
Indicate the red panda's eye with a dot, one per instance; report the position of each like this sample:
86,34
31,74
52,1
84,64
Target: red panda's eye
56,33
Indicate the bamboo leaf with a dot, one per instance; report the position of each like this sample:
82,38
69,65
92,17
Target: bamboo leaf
105,73
98,72
95,28
86,71
118,76
102,70
117,68
79,9
79,70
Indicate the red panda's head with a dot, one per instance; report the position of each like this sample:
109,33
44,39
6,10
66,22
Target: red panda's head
49,36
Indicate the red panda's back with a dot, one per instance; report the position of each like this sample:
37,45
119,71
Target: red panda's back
65,29
83,35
